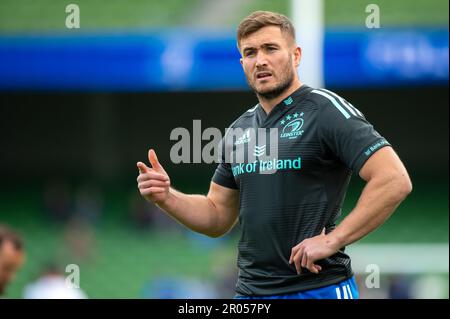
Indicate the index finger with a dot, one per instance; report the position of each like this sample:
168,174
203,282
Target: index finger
142,167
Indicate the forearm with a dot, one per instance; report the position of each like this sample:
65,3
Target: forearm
379,199
197,212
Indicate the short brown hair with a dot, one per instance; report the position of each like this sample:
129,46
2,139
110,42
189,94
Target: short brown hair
7,234
260,19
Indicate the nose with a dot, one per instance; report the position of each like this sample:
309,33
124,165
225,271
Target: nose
261,59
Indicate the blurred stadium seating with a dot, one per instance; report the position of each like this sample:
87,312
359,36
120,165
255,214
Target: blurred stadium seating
92,125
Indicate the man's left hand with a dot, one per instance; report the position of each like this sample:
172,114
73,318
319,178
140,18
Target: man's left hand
310,250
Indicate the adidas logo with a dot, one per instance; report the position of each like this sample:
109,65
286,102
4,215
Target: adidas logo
245,138
288,101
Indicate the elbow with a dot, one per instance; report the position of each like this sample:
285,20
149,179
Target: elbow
219,232
408,188
403,186
215,234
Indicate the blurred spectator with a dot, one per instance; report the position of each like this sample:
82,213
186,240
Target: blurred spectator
80,239
79,230
146,215
430,286
89,203
142,213
57,201
400,287
52,285
225,272
12,256
178,288
226,284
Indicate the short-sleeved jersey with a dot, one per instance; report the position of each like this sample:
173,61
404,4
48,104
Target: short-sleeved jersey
294,195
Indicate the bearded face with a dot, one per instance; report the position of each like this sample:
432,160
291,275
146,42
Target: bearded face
267,62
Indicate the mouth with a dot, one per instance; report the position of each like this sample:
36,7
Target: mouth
263,75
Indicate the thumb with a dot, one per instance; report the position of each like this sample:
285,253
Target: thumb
154,160
142,167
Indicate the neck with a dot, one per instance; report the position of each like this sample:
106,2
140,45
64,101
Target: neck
269,104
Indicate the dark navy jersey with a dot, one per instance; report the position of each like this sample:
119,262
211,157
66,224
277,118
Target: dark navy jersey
298,191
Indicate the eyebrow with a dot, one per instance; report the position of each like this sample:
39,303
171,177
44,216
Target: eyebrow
267,44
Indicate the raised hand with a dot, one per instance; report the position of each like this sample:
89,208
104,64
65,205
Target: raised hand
153,182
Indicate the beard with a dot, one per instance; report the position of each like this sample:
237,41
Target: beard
280,87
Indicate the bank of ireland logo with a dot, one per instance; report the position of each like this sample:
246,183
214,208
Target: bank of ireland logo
292,125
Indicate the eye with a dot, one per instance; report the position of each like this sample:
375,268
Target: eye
249,53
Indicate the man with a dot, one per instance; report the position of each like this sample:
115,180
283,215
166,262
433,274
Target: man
290,246
11,256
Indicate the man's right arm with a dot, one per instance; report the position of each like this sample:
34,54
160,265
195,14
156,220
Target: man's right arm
212,215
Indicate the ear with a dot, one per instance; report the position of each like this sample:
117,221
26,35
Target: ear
297,56
241,61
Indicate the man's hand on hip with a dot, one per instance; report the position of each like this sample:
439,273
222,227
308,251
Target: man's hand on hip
310,250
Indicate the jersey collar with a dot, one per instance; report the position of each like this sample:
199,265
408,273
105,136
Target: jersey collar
288,102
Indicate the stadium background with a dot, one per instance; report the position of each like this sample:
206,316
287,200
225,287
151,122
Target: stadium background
80,107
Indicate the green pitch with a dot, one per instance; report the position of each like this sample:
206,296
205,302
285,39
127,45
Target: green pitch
49,15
